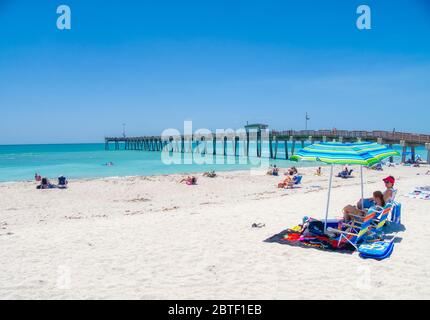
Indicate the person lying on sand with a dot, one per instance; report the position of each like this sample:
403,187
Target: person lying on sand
350,211
45,184
210,174
190,180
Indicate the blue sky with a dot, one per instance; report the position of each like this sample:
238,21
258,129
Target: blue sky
154,64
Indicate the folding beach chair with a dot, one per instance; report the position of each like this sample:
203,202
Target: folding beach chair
62,182
345,175
355,231
396,211
298,180
381,218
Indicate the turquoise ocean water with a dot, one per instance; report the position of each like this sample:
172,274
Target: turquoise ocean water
21,162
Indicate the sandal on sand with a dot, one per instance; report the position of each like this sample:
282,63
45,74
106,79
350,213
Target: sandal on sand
258,225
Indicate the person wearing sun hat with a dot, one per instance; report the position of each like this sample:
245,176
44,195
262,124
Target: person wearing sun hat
389,184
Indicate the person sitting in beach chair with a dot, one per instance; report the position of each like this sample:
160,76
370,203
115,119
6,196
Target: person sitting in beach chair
297,180
377,167
350,212
273,171
45,184
290,181
62,182
287,182
291,171
210,174
190,180
412,162
419,160
390,192
345,173
389,196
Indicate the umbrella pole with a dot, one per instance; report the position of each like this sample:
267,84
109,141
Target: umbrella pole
328,198
362,188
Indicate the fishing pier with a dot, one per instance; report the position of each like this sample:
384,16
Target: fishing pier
289,140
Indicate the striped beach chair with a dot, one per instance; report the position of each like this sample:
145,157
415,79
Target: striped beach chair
354,231
396,212
381,218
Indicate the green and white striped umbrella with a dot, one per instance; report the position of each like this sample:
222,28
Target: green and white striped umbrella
363,153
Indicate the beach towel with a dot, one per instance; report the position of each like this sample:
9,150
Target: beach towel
379,250
296,237
420,193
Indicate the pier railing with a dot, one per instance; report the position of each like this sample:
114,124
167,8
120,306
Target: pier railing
394,137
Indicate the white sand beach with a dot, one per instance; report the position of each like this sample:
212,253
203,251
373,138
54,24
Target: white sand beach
153,238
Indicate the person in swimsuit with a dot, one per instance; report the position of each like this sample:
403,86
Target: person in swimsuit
389,185
388,194
190,180
210,174
377,200
288,182
45,184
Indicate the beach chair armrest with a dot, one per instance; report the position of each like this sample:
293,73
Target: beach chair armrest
352,225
